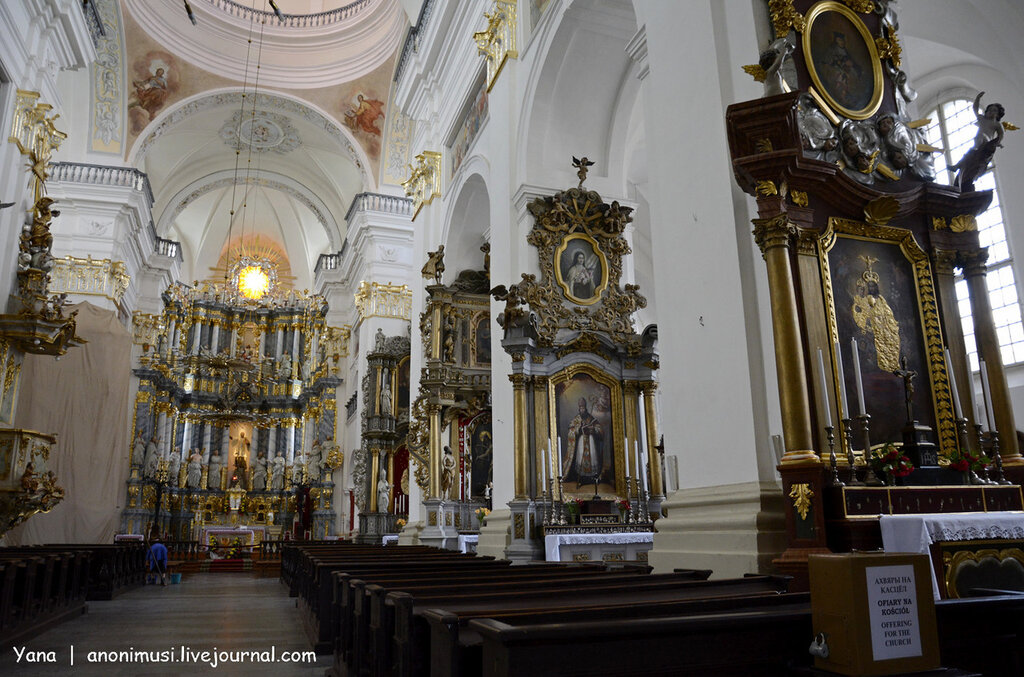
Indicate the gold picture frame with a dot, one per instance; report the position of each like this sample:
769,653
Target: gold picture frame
839,65
927,317
614,438
576,261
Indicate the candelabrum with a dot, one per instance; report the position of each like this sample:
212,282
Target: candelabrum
851,459
549,502
631,516
984,478
997,459
870,477
644,516
561,504
830,433
961,431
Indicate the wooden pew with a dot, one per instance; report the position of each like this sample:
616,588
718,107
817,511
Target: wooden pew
457,651
373,620
412,633
39,586
733,644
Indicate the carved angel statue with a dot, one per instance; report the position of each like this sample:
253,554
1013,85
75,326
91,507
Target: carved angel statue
769,67
434,267
582,165
989,137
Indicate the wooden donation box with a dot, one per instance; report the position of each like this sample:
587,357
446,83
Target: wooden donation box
876,612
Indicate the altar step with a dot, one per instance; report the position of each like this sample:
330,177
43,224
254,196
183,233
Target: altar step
216,566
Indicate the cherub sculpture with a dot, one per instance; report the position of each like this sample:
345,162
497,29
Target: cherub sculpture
989,137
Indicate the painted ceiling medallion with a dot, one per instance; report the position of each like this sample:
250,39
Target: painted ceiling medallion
261,131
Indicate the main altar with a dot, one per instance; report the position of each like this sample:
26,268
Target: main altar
235,417
863,247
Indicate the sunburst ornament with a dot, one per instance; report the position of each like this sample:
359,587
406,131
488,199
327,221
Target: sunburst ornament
253,282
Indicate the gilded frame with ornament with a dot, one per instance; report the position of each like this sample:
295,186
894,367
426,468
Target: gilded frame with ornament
615,438
936,387
829,15
599,285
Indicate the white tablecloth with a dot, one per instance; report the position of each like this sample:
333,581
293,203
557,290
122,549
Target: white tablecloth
389,539
466,539
914,533
553,542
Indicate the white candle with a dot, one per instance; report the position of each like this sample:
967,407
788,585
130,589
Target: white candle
547,465
987,394
824,390
643,422
856,375
643,473
636,455
955,392
558,472
844,412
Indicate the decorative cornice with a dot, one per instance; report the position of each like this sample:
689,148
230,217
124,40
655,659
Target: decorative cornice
383,300
317,19
974,261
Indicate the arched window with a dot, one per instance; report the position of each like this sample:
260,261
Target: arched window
952,128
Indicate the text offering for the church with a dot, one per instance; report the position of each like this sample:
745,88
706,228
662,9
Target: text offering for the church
893,612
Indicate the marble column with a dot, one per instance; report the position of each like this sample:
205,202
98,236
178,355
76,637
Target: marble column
171,331
207,437
271,439
975,272
215,339
197,337
279,344
289,430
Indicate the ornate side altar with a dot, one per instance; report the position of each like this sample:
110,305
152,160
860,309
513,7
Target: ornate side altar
235,416
861,245
583,378
35,324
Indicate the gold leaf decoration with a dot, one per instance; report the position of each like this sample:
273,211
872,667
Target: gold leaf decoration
862,6
1010,127
801,495
766,188
963,223
881,210
889,47
756,71
784,16
939,223
799,198
764,145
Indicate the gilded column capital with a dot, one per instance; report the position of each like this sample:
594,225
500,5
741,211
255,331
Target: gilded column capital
648,387
945,260
974,261
519,381
774,232
807,241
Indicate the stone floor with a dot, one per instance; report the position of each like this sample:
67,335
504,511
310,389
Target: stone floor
205,612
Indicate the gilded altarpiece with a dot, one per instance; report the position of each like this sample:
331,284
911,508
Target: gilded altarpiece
862,240
583,378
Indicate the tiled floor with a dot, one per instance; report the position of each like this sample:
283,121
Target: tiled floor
226,612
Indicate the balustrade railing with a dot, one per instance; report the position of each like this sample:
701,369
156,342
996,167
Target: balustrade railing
378,202
101,175
412,38
314,20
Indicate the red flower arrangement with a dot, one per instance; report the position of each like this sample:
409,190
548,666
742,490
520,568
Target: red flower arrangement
623,504
965,460
891,460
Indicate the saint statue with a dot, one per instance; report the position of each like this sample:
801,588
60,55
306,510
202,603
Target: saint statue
152,457
174,469
378,340
447,472
383,493
259,474
213,477
277,473
139,449
195,470
586,447
314,465
385,394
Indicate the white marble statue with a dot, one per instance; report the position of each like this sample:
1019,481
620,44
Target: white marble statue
315,463
259,474
152,457
277,474
139,449
174,468
383,494
214,472
195,470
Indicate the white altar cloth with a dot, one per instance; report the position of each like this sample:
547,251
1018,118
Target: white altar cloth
467,540
915,533
553,542
248,534
389,539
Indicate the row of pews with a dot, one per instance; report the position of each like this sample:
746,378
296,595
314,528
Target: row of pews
415,611
44,585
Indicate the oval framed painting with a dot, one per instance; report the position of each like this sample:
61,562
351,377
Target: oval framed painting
581,269
842,60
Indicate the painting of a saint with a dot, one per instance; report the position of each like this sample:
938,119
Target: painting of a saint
483,341
580,270
585,429
154,82
481,447
842,62
364,114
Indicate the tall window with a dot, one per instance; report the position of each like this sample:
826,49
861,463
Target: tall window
952,128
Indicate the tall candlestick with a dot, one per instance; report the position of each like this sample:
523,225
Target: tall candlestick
547,463
987,394
952,386
844,411
824,390
856,374
636,456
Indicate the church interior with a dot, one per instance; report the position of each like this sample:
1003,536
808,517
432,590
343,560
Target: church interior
487,327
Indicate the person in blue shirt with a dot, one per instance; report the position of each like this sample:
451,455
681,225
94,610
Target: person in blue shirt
156,560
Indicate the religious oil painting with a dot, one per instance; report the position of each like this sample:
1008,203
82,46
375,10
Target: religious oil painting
481,448
482,336
155,78
586,430
877,302
581,269
842,60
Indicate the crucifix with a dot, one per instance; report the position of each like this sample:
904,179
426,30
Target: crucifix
908,385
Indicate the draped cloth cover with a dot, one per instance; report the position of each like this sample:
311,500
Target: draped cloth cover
85,399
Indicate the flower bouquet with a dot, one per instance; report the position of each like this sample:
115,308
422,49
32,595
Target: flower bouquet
890,461
573,508
399,524
481,514
624,507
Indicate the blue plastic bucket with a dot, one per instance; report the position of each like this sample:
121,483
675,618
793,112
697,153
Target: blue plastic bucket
175,579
